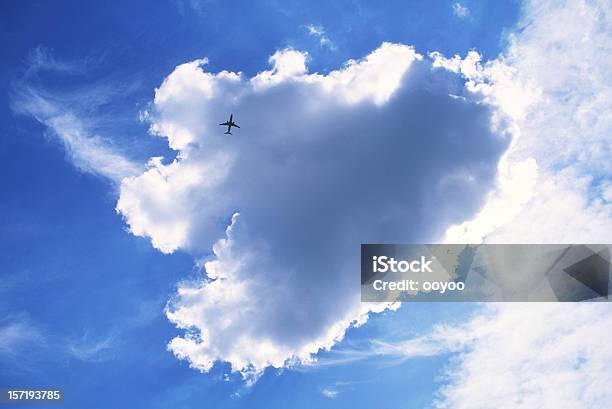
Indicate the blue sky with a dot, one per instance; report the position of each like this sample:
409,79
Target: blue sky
81,298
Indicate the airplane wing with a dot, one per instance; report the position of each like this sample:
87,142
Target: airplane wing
225,123
236,126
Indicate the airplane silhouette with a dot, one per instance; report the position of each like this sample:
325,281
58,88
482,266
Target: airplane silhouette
229,125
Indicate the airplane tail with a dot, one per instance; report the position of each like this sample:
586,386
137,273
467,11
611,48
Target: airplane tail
228,133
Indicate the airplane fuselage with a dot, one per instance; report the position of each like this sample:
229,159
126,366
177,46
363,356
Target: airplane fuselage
229,125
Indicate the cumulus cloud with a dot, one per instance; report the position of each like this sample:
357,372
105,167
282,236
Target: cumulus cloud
533,356
553,182
526,356
553,187
388,148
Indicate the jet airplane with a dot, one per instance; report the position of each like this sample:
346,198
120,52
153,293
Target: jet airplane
229,125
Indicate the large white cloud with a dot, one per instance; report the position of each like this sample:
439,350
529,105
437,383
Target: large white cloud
553,186
554,182
520,356
529,356
387,149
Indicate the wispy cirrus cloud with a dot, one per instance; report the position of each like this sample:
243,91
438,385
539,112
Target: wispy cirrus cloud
70,117
318,32
42,58
329,392
460,10
88,151
92,350
17,333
